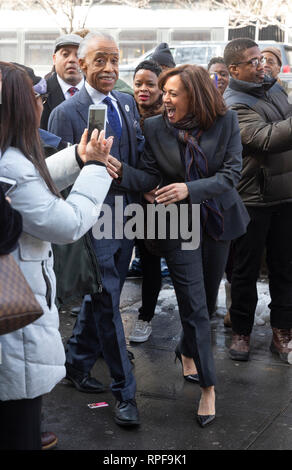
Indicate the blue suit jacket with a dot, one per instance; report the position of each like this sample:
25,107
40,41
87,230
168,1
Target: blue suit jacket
69,119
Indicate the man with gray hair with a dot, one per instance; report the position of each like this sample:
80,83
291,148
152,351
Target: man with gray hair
99,329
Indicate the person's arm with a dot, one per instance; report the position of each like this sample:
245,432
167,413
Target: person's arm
50,218
142,179
259,136
10,225
228,176
73,159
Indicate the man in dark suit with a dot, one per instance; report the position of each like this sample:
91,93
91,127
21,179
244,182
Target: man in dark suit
66,78
99,327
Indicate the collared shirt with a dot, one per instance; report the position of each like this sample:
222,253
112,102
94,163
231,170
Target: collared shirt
98,97
65,86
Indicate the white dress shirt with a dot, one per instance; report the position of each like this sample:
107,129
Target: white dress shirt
98,97
66,86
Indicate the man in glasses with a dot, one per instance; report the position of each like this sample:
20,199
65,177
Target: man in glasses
273,61
265,120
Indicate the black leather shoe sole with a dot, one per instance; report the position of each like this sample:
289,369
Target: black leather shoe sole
126,423
82,387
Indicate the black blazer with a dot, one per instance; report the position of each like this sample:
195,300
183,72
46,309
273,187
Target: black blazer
161,164
56,96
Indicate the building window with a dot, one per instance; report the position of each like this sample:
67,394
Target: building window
38,54
8,52
191,35
134,43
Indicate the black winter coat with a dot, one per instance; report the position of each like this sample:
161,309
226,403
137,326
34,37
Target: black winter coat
265,121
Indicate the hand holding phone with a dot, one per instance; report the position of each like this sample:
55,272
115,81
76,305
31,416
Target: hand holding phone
96,118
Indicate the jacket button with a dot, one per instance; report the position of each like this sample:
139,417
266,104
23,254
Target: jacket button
50,253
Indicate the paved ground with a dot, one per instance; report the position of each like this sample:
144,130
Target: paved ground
253,399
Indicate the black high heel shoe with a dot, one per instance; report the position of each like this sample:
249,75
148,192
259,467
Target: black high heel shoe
204,420
193,378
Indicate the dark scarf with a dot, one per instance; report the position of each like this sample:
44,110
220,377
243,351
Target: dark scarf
187,132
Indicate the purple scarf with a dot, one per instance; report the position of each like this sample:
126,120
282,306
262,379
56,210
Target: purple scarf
196,167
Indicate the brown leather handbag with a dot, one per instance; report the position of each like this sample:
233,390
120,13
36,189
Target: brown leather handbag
18,305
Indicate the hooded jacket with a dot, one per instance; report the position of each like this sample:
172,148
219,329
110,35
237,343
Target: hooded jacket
265,121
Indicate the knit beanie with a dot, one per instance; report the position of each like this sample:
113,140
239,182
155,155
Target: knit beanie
276,52
163,56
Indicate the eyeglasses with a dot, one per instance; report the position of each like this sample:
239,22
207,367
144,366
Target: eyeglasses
271,62
44,97
254,62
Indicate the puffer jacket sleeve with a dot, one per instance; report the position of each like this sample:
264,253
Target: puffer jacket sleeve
257,135
46,216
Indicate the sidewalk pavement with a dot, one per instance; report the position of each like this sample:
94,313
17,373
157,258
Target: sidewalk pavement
253,399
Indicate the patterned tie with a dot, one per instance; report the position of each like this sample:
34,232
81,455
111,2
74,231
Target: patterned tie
113,117
72,90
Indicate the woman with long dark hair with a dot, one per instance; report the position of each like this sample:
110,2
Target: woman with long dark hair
33,357
193,152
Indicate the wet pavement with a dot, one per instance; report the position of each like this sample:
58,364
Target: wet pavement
253,399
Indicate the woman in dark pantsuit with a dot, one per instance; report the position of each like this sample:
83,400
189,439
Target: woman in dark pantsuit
193,152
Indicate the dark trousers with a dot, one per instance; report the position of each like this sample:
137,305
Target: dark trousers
270,228
20,424
196,275
151,282
99,328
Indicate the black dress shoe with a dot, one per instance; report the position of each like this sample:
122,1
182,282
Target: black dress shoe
75,311
83,381
126,413
193,378
204,420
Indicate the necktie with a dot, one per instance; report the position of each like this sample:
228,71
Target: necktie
113,117
72,90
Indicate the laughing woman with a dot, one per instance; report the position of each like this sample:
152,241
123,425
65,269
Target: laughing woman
193,152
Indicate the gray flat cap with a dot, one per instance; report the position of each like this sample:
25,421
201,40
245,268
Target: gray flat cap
67,40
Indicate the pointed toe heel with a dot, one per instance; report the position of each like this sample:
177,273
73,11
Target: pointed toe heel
192,378
205,420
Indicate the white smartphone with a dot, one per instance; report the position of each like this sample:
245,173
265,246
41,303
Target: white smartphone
7,184
96,118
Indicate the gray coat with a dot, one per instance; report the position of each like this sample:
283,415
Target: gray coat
33,357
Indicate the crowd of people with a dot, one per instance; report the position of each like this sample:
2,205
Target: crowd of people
183,135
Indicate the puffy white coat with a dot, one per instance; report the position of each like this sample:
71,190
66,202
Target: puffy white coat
32,358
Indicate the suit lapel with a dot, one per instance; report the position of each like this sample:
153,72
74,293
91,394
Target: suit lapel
83,102
171,148
56,95
209,138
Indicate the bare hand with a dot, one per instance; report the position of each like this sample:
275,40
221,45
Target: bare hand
114,167
97,148
150,196
172,193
